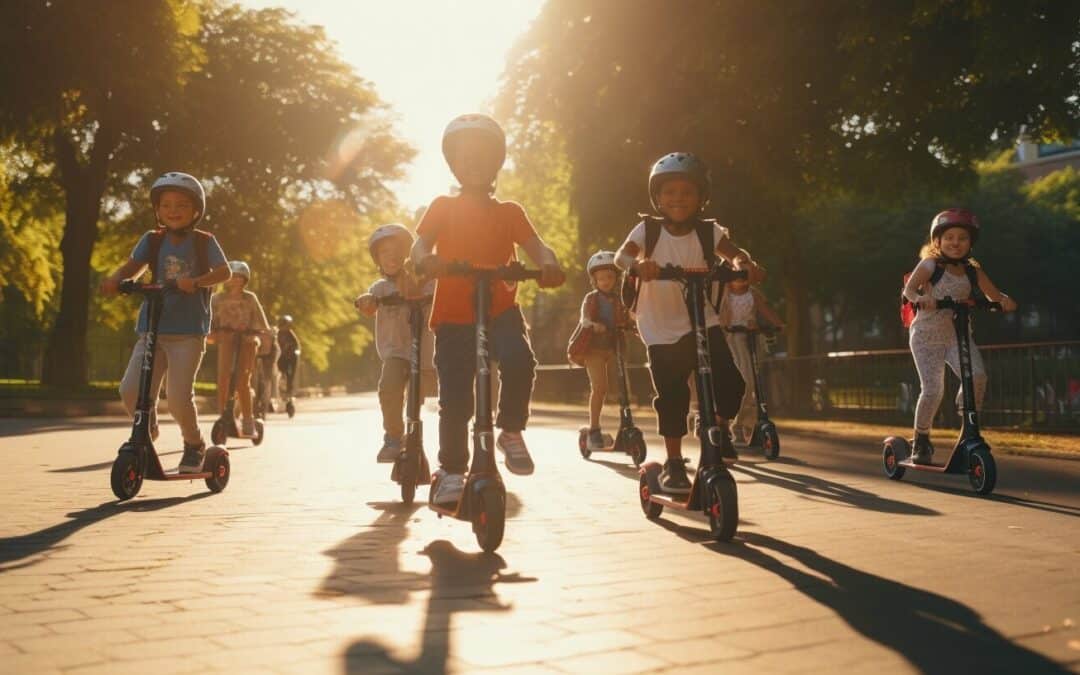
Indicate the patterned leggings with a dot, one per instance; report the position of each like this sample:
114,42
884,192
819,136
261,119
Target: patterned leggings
933,349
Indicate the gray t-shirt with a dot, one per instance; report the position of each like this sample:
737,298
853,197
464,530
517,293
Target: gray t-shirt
392,336
182,313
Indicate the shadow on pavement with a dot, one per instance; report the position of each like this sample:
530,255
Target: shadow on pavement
13,549
935,634
821,488
958,491
102,465
367,567
40,425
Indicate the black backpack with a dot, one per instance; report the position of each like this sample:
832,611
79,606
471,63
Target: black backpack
202,254
631,285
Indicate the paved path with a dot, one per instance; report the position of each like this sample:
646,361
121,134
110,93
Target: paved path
308,563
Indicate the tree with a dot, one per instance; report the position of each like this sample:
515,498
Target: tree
85,81
786,101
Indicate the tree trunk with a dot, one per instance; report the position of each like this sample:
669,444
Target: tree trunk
796,306
65,364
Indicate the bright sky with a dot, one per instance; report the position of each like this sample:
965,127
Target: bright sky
431,60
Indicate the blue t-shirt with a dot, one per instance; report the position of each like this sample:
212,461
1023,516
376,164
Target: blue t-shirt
183,313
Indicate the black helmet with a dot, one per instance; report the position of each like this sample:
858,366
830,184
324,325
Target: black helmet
681,164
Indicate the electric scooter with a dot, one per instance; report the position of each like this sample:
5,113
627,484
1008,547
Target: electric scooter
713,488
971,455
629,438
290,378
137,459
483,501
411,467
764,436
225,427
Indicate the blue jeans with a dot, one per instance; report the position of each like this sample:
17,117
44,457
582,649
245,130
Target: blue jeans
455,361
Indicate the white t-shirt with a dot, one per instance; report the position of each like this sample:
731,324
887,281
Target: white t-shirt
662,316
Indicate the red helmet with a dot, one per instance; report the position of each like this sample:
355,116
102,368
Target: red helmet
955,218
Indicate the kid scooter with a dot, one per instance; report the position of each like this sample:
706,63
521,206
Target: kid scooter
764,436
713,488
411,467
971,455
137,459
629,438
225,427
483,501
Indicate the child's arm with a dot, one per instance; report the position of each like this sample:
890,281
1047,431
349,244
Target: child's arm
110,285
919,277
215,276
740,259
765,309
588,314
992,292
627,257
551,275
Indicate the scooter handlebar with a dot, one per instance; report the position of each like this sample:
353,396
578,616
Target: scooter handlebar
972,303
514,271
763,330
720,273
394,299
131,287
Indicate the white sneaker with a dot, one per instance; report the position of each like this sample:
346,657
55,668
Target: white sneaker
517,453
448,488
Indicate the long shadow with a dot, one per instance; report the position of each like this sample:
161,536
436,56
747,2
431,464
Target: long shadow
101,465
367,566
935,634
459,581
39,425
820,488
1049,507
14,549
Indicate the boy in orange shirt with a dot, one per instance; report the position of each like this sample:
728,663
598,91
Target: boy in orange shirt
475,227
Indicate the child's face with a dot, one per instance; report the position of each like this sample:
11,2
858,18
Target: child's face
955,242
739,286
176,210
679,199
391,255
605,280
235,283
475,162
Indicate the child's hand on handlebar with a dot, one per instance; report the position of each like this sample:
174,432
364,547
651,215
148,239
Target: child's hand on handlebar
927,302
109,286
365,304
551,276
187,285
647,269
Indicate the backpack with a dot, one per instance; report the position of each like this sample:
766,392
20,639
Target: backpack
908,310
631,285
202,255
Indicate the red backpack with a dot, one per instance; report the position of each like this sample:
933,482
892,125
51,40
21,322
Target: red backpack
908,310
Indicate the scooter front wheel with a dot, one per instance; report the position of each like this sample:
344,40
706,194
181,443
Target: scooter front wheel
723,509
217,464
126,477
982,470
637,448
894,451
770,441
218,434
583,444
489,518
290,409
260,430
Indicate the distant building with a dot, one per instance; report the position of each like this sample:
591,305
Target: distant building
1036,160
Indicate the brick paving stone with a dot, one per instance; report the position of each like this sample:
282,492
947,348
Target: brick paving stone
623,661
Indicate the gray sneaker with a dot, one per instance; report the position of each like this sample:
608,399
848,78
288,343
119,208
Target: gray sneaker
192,461
390,451
517,454
448,488
247,427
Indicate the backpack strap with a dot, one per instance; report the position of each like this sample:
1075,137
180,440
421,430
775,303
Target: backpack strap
652,234
935,276
705,232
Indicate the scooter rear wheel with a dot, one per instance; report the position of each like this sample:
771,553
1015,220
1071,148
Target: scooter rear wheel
583,444
217,463
637,449
290,409
126,478
489,518
218,435
260,429
723,511
651,509
982,471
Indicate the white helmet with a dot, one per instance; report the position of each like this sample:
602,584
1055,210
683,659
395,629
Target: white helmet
182,182
240,269
682,164
601,260
475,125
386,232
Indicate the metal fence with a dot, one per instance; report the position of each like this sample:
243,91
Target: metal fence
1034,385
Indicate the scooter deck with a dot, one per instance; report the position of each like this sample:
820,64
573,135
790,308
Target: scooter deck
173,474
932,468
672,500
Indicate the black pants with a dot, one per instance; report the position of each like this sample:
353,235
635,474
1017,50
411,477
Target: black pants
455,361
671,366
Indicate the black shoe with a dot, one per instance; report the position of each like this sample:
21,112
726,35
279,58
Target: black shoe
673,478
192,461
922,452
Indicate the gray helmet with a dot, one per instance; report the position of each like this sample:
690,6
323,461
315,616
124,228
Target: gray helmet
386,232
181,182
601,260
474,125
240,269
681,164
